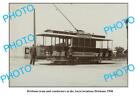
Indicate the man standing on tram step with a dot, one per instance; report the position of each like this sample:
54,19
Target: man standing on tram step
33,54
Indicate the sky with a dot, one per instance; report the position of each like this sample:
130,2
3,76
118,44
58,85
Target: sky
92,18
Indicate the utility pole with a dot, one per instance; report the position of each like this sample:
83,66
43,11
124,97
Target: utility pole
34,23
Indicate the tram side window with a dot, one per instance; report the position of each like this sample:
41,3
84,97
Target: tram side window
98,44
75,42
81,42
93,43
87,42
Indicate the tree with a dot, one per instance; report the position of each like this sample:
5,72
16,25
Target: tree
119,51
126,52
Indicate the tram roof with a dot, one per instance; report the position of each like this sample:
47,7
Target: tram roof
72,36
81,32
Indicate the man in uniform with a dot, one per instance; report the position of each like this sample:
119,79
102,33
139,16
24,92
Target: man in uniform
33,54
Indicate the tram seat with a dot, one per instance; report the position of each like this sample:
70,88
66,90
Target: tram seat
56,53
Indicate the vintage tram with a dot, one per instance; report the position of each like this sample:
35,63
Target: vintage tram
69,47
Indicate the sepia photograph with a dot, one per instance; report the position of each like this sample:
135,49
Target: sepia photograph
68,44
